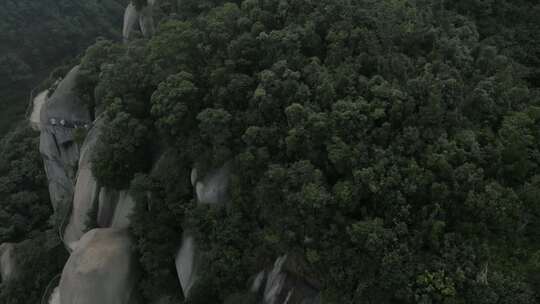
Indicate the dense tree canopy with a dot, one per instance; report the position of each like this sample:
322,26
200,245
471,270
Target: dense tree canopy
37,36
26,218
393,144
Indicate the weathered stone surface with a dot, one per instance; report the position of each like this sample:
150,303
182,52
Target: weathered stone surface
214,187
123,211
86,189
281,286
55,296
186,263
146,20
108,199
7,262
131,16
64,103
38,103
101,270
59,151
143,18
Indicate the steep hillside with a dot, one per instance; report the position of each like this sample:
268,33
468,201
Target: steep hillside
37,36
285,152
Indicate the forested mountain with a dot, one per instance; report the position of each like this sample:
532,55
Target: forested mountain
37,36
272,152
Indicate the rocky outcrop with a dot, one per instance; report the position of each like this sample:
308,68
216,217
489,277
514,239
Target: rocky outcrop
186,263
124,209
108,199
113,207
38,103
286,283
55,296
58,149
86,189
144,18
213,188
101,270
7,262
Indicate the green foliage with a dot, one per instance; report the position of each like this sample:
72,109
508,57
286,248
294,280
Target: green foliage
394,144
39,260
39,35
25,213
24,199
121,151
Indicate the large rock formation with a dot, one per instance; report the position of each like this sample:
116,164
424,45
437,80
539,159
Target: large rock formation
59,151
144,18
38,102
108,199
186,263
124,209
286,283
112,208
86,190
7,262
101,270
212,188
55,296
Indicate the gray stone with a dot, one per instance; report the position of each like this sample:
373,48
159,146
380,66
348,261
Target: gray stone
55,296
101,270
143,18
59,152
124,210
37,105
7,262
86,189
186,266
108,199
214,187
283,284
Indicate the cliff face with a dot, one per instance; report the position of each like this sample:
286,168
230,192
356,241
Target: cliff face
57,146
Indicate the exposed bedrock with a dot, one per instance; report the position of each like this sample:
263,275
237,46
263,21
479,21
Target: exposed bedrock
142,19
212,188
92,204
124,209
286,283
60,153
37,105
186,263
86,189
55,296
7,262
209,189
101,270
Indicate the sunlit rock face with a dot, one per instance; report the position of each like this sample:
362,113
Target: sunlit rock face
286,283
60,153
186,263
7,262
143,18
101,270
